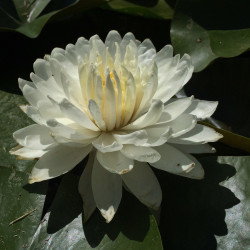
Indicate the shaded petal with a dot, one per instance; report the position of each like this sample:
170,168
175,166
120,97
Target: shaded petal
199,134
202,109
107,190
151,117
182,124
195,149
112,38
57,161
139,153
34,136
85,189
174,161
96,114
178,73
106,143
142,182
115,162
75,114
27,153
42,69
138,137
175,109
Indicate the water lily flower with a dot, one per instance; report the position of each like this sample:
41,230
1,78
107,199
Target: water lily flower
114,101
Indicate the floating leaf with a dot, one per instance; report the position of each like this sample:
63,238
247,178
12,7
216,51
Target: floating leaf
158,9
21,208
202,30
12,119
29,16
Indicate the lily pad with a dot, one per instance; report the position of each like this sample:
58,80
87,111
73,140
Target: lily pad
21,208
12,119
29,16
158,9
237,217
202,30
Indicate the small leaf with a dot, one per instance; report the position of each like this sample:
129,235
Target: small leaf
29,16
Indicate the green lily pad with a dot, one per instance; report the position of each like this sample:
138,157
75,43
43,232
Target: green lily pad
237,217
158,9
201,29
209,213
12,119
29,16
21,208
132,228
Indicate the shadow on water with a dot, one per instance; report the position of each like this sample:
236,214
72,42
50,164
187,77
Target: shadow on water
193,211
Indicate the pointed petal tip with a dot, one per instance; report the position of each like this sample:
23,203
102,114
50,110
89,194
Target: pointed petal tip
108,214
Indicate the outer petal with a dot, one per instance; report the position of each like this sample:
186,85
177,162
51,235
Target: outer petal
85,188
144,154
176,162
195,149
202,109
142,182
57,161
106,143
175,109
151,117
34,137
115,162
199,134
179,72
27,153
107,191
138,137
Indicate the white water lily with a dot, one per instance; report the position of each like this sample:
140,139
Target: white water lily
114,101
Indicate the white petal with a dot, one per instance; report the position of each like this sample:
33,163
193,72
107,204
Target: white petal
182,124
202,109
195,149
85,188
109,110
42,69
138,137
174,161
106,143
75,114
27,153
33,113
157,135
178,73
125,41
112,38
199,134
142,182
144,154
96,114
57,161
34,137
84,136
115,162
31,94
151,117
176,108
107,191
